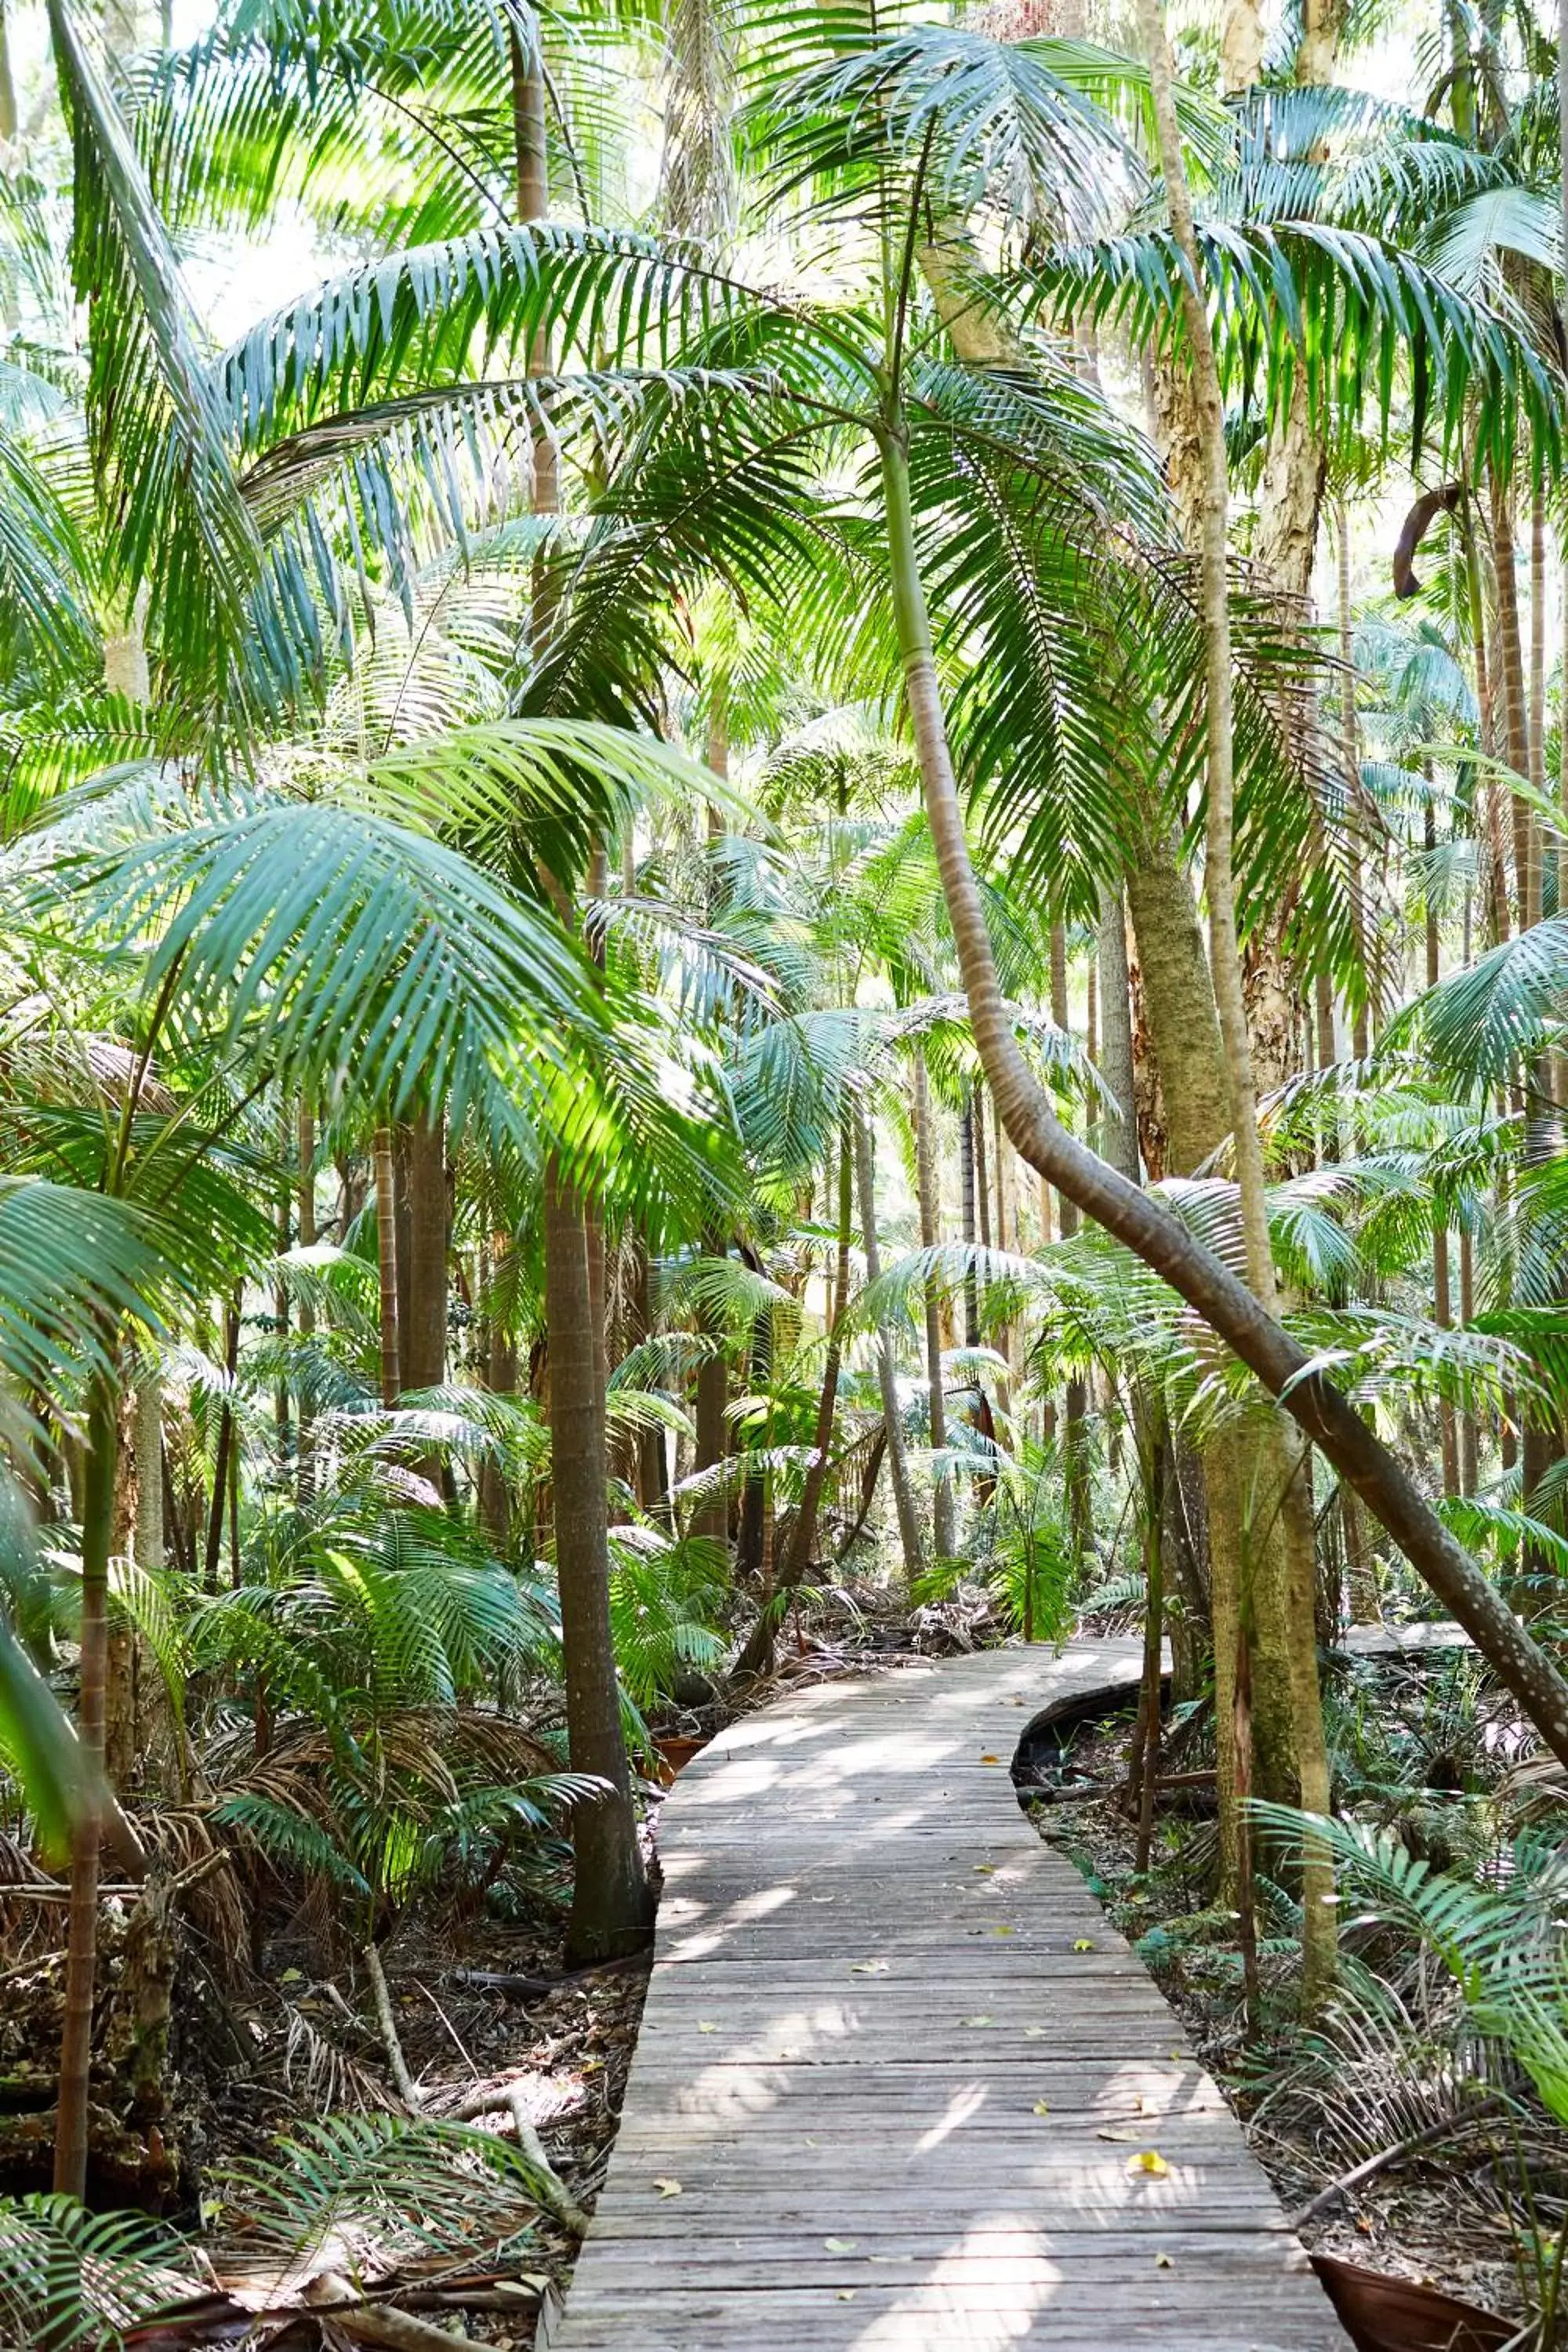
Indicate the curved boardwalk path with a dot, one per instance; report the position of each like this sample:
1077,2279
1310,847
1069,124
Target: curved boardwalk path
871,1978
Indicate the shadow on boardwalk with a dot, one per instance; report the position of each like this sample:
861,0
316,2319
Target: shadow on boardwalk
899,2084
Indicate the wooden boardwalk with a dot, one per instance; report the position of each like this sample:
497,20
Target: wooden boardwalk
899,2085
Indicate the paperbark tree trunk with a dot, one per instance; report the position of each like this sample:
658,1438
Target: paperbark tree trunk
887,1359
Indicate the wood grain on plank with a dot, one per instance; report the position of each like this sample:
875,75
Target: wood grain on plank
899,2083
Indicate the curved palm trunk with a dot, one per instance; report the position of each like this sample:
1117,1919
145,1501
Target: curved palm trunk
1234,1311
887,1368
612,1905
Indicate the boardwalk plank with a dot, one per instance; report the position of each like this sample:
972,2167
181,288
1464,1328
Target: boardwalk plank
831,2135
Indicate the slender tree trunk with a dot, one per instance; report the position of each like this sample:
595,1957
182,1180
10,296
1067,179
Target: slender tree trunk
612,1905
803,1537
225,1442
757,1655
1075,1435
1119,1133
1350,758
422,1330
944,1533
305,1218
81,1950
711,1516
386,1246
966,1202
886,1362
1510,657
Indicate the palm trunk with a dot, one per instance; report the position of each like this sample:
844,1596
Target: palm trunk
612,1907
1119,1132
1075,1437
803,1538
422,1329
386,1247
225,1442
1510,662
1351,761
305,1219
886,1364
944,1533
81,1949
966,1210
1234,1311
711,1515
757,1655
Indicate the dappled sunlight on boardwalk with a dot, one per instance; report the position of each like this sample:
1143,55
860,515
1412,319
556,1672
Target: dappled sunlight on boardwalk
899,2085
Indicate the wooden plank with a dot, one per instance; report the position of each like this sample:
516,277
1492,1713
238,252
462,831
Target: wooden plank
833,2134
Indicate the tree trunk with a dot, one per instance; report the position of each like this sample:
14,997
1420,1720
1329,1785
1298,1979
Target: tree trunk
757,1655
944,1532
225,1446
1151,1231
82,1951
1075,1437
966,1207
612,1905
1119,1132
305,1219
887,1363
711,1516
1510,663
421,1289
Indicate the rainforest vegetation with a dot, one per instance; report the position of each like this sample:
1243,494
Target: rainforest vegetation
781,873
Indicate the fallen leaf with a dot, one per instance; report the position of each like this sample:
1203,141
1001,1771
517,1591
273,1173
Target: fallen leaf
1148,2160
975,2020
841,2245
667,2187
1001,1928
991,1759
1177,2057
1034,2032
1083,1943
1164,2263
869,1968
706,2025
985,1870
1041,2109
1115,2134
847,2294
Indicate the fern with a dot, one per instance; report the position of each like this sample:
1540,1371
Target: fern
71,2280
